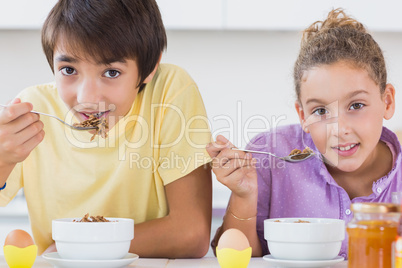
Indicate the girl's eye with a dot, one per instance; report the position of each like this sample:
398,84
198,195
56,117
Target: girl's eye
320,111
112,73
68,71
356,106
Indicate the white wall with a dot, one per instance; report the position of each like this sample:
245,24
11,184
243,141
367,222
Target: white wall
242,75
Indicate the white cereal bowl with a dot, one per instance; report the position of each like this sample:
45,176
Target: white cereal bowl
93,240
319,239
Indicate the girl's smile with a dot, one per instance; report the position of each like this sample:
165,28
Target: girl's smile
346,150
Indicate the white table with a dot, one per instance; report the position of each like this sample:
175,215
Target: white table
213,262
167,263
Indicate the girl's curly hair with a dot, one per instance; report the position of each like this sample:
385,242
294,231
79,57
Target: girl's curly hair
339,38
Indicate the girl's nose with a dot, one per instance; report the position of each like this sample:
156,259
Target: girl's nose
342,125
88,92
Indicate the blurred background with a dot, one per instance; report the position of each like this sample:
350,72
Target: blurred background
240,53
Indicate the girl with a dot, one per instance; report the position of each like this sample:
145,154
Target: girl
342,98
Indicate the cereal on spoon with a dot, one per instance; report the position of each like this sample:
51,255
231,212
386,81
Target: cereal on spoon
298,154
101,125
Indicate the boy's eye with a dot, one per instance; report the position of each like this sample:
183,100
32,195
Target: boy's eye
112,73
320,111
67,71
356,106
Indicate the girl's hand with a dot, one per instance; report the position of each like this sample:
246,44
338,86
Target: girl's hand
235,169
20,132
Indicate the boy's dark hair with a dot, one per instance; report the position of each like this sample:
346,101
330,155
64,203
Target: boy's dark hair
107,31
339,38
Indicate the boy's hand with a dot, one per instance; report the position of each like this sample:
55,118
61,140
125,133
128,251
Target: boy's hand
51,248
234,169
20,132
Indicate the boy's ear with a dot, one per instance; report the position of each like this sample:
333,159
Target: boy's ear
151,75
300,113
388,97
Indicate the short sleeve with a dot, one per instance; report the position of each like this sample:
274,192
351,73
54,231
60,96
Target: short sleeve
14,184
184,134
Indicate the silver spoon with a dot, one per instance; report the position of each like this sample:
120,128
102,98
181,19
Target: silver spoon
55,117
289,158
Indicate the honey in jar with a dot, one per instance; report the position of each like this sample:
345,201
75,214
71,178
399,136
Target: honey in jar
398,252
372,234
398,245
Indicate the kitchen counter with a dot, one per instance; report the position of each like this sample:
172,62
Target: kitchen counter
168,263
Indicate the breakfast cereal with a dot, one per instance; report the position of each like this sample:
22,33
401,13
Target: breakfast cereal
100,123
301,221
298,154
88,218
298,221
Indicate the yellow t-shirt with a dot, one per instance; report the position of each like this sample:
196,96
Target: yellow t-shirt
160,140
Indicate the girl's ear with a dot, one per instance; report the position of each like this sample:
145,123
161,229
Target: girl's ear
151,75
388,97
300,112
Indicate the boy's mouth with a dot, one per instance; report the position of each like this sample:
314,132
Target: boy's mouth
97,115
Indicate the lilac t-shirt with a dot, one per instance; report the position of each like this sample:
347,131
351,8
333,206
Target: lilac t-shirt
307,189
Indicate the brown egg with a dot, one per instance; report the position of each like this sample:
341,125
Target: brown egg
18,238
233,238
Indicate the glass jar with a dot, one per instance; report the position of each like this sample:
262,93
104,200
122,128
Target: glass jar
372,233
398,243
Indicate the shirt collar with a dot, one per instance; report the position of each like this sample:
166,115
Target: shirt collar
392,142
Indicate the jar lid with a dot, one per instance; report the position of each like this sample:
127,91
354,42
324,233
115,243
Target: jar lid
375,207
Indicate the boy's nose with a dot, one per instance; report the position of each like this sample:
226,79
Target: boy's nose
88,92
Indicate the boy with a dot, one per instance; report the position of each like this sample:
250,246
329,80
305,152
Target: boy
152,166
